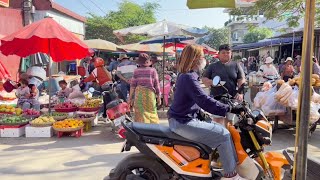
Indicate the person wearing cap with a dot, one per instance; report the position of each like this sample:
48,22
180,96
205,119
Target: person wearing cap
287,71
268,69
125,72
158,66
145,89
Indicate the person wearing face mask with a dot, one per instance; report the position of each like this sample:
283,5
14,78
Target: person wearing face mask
145,89
268,69
183,114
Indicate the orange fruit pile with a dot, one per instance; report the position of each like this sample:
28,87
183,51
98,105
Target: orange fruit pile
68,123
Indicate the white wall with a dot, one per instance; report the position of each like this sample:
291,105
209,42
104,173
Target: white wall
69,23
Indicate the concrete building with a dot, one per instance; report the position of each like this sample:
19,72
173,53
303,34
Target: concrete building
18,13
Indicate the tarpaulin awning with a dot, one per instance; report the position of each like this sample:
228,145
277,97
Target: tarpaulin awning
268,42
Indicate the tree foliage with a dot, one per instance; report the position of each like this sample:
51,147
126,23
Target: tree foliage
290,11
216,37
129,14
257,34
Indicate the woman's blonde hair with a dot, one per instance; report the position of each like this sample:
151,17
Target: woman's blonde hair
190,57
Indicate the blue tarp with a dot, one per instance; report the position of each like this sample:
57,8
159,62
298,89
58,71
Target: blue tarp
269,42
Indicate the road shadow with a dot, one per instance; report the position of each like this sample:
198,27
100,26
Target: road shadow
98,135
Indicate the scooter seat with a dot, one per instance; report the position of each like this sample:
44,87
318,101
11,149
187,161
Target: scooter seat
156,130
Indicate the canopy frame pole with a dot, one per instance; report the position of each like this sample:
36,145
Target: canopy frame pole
50,77
293,37
163,64
303,112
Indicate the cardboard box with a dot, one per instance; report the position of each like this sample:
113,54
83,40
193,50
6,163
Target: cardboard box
39,131
12,131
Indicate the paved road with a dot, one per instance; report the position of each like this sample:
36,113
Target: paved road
89,157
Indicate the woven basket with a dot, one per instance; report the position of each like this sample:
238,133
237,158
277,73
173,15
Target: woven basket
30,116
59,118
89,109
66,110
14,124
67,129
41,125
86,119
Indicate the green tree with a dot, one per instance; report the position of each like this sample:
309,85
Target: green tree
290,11
257,34
216,37
129,14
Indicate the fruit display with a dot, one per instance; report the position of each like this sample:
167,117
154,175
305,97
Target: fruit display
68,124
43,121
10,110
59,116
31,113
5,96
85,117
315,80
13,120
91,105
65,107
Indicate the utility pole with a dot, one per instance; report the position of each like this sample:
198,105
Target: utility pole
303,112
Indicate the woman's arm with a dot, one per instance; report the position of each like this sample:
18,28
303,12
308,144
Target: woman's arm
194,90
156,83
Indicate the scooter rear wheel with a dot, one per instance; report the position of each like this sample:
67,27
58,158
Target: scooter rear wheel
139,166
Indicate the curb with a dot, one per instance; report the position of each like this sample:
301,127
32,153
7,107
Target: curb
313,167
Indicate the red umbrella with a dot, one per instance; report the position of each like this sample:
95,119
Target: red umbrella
45,36
4,74
176,45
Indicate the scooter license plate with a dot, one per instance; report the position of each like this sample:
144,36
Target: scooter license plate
117,122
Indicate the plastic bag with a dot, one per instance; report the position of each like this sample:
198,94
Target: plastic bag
314,112
272,107
293,99
259,100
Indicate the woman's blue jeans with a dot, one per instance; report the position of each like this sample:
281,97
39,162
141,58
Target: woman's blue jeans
213,135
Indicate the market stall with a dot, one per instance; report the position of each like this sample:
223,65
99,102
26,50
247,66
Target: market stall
280,102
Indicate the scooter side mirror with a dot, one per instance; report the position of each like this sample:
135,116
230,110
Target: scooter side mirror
216,81
92,90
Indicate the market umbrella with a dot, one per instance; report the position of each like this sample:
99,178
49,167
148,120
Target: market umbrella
100,44
156,48
4,74
45,36
161,28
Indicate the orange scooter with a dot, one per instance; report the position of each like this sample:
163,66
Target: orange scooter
165,155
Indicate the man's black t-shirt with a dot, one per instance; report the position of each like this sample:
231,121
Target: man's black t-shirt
230,72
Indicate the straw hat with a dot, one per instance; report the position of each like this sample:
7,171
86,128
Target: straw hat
268,60
123,56
143,57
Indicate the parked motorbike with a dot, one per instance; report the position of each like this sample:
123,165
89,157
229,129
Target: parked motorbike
165,155
116,109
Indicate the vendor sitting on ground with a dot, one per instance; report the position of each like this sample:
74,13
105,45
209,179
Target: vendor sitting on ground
65,91
268,69
23,93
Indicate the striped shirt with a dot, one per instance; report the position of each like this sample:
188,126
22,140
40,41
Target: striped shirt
146,77
126,69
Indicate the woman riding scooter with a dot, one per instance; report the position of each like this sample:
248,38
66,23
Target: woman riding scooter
103,78
189,98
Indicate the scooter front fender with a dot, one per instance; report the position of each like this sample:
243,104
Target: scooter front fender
276,161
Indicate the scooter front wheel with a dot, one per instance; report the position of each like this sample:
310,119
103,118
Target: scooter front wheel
138,166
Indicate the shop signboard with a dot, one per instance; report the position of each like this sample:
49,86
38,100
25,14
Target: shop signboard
4,3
